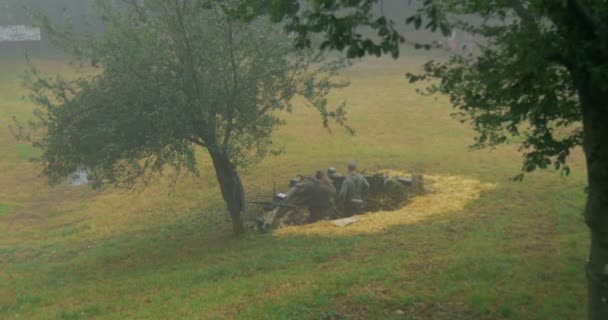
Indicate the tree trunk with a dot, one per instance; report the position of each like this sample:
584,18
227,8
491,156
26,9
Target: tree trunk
232,189
594,101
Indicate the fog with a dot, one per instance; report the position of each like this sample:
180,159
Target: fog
12,13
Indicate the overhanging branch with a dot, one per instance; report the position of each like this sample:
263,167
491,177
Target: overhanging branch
197,141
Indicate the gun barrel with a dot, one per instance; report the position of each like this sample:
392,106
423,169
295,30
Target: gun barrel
267,203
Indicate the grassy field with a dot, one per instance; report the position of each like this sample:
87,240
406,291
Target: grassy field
517,252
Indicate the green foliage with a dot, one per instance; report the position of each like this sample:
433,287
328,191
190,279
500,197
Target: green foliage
339,31
169,76
525,81
534,59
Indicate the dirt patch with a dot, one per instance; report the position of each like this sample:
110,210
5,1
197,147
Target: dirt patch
391,192
445,194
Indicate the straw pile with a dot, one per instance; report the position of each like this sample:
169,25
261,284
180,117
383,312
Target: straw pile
446,194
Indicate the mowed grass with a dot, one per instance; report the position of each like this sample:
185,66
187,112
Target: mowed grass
516,253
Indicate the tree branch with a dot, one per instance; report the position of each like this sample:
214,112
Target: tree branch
139,9
197,142
530,22
230,115
193,66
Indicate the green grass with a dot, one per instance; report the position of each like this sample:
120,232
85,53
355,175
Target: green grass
4,209
516,253
24,151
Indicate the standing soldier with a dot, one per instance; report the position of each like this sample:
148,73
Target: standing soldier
354,188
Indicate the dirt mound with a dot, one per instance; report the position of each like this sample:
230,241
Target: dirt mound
445,194
390,192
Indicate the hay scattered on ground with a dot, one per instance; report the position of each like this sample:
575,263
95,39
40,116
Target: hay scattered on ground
446,194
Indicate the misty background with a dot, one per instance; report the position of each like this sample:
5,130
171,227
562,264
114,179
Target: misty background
82,12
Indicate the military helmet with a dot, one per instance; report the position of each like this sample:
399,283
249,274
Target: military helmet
331,171
352,165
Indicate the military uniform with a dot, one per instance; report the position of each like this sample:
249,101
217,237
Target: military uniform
312,194
354,188
320,203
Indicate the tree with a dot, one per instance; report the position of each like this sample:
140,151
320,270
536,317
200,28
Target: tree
170,76
541,72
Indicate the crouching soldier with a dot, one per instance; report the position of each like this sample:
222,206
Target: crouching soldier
307,201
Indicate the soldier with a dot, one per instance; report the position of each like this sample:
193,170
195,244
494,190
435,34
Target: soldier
354,188
332,172
322,193
315,195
